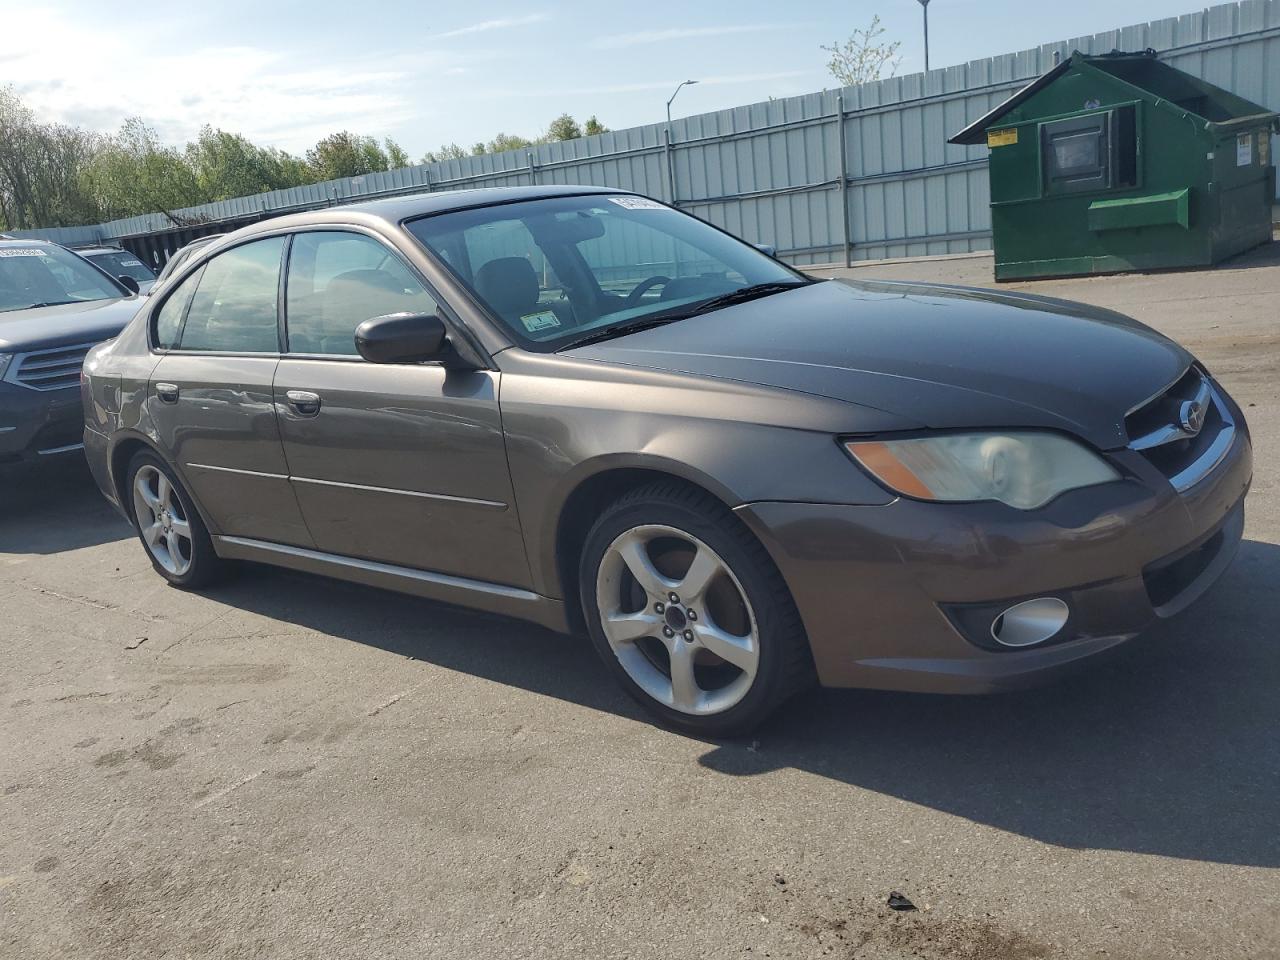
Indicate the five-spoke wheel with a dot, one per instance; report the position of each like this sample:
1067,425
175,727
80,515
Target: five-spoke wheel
687,608
168,525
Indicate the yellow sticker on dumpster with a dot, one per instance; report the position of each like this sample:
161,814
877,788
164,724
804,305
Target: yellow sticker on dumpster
1002,138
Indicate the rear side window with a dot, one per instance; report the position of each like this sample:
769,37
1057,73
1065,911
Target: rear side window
339,280
168,321
234,306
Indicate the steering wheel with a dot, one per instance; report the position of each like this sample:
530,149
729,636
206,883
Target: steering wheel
643,287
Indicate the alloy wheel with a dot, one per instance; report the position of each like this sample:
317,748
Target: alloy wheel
162,520
677,619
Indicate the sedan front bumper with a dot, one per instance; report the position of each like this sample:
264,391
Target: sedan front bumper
36,424
902,596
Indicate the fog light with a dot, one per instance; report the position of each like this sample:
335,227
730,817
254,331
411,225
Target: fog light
1030,622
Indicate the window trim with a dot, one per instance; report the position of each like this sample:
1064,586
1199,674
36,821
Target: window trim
283,309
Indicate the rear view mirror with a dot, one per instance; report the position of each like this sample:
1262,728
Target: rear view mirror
402,338
129,283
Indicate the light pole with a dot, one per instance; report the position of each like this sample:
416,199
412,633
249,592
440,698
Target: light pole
925,4
686,83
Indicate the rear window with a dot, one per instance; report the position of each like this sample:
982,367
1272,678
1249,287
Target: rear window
123,264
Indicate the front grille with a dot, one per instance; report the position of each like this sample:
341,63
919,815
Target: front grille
50,369
1164,431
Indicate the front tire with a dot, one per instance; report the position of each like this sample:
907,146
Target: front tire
689,613
169,526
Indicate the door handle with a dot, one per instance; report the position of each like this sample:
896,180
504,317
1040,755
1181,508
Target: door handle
304,402
167,392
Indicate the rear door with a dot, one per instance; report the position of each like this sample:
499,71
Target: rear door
397,463
211,395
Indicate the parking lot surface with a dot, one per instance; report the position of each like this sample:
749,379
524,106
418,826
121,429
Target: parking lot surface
291,767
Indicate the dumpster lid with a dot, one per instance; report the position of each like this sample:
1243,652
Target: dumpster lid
1144,72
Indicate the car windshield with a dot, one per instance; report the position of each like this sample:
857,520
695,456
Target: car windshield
121,263
565,269
32,276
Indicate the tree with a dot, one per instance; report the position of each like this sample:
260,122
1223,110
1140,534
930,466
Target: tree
863,57
594,126
447,151
41,169
345,155
135,173
226,165
563,127
396,155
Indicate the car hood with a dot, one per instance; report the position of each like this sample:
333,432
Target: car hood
65,324
940,356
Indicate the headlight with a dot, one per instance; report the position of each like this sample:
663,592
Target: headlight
1023,470
4,363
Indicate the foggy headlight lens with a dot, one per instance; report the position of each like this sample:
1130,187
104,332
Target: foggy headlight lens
1023,470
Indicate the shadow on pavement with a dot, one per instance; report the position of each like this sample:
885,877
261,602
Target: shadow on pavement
1169,747
51,507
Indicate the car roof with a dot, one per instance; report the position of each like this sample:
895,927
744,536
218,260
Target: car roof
87,251
23,242
393,210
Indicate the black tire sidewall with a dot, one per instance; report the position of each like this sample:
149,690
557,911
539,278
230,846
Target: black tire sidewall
758,580
205,564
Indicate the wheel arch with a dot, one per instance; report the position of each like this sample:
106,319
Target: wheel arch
592,493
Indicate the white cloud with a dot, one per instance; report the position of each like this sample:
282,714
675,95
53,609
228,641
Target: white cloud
177,85
500,24
678,33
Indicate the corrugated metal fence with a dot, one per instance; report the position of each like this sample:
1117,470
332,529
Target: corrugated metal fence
859,173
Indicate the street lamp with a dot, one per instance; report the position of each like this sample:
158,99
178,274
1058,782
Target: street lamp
925,4
674,95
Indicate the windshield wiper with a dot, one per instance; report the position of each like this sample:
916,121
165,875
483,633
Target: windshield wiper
48,303
753,292
621,329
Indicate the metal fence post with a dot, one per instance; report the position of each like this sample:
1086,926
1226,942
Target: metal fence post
844,180
671,169
533,170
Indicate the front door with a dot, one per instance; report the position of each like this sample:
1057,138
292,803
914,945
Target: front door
211,398
400,464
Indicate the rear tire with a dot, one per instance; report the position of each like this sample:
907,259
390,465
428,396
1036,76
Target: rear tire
169,526
689,613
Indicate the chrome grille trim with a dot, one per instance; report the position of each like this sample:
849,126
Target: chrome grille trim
56,368
1174,431
1202,466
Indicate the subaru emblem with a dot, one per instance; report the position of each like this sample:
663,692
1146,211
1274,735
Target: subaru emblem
1191,417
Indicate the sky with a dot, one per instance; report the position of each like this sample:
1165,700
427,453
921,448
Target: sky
286,73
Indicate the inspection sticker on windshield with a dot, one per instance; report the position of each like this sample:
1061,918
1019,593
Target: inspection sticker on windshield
637,203
22,252
130,263
533,322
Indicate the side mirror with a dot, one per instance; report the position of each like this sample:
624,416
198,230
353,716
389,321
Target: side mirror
402,338
767,249
129,283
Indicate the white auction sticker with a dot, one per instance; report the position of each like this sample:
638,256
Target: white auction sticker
637,203
22,252
533,322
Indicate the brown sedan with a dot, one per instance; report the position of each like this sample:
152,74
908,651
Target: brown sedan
584,408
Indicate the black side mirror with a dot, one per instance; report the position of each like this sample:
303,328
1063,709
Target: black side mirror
129,283
402,338
767,249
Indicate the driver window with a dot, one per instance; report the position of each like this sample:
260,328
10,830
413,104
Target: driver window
339,280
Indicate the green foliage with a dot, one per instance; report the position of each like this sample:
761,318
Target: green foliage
54,175
864,57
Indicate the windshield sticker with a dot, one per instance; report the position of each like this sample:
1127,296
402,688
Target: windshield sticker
130,263
22,252
637,203
533,322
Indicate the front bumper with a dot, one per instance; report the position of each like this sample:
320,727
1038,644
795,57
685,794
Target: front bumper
36,424
901,596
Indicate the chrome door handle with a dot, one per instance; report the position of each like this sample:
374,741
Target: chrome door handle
304,402
168,392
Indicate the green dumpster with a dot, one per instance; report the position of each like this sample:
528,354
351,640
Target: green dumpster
1122,162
